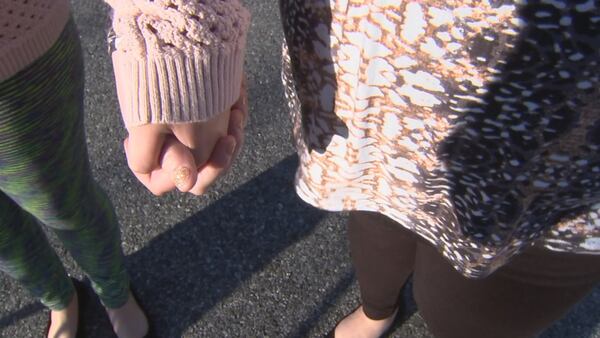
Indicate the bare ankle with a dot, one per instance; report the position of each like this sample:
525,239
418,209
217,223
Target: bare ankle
129,321
63,323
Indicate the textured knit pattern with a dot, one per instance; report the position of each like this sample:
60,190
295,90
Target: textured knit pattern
45,177
28,28
474,124
177,60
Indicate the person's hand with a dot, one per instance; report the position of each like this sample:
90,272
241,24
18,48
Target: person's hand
189,157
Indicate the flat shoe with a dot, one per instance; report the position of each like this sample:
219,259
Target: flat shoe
397,317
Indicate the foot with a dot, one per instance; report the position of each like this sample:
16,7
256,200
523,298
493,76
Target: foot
63,323
129,321
358,325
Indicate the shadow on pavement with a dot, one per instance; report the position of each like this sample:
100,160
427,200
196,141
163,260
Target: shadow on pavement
187,270
340,288
24,312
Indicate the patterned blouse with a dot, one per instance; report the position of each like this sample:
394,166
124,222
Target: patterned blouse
474,124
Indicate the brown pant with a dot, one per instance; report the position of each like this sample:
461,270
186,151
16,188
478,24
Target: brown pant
521,299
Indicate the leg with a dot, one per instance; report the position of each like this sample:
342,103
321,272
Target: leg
521,299
44,169
26,256
383,256
44,164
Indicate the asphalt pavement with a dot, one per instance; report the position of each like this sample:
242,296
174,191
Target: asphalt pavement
249,259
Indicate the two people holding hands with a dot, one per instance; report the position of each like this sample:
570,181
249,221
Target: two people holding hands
462,136
188,157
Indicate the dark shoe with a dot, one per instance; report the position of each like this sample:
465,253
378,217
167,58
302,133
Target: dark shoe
80,288
331,334
387,332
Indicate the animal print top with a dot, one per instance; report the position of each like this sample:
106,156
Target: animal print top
473,123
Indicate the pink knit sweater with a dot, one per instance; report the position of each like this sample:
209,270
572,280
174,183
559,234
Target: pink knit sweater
174,60
27,30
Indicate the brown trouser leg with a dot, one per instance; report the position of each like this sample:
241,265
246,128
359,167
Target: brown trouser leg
383,257
521,299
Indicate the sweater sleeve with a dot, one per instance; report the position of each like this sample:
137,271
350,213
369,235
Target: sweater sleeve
177,61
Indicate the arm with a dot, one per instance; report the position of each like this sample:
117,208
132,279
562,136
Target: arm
177,60
178,67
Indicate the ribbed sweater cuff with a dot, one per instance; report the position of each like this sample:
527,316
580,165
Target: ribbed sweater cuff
178,88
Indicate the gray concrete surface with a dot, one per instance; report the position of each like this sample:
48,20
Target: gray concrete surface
247,260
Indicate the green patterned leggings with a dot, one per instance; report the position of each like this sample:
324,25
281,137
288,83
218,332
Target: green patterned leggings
45,178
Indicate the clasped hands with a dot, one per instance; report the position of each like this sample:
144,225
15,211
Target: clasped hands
186,156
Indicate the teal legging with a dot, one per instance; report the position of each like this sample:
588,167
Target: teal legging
45,178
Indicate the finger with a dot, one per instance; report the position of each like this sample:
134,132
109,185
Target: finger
177,162
177,170
236,129
158,182
242,102
201,137
145,144
146,179
218,164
